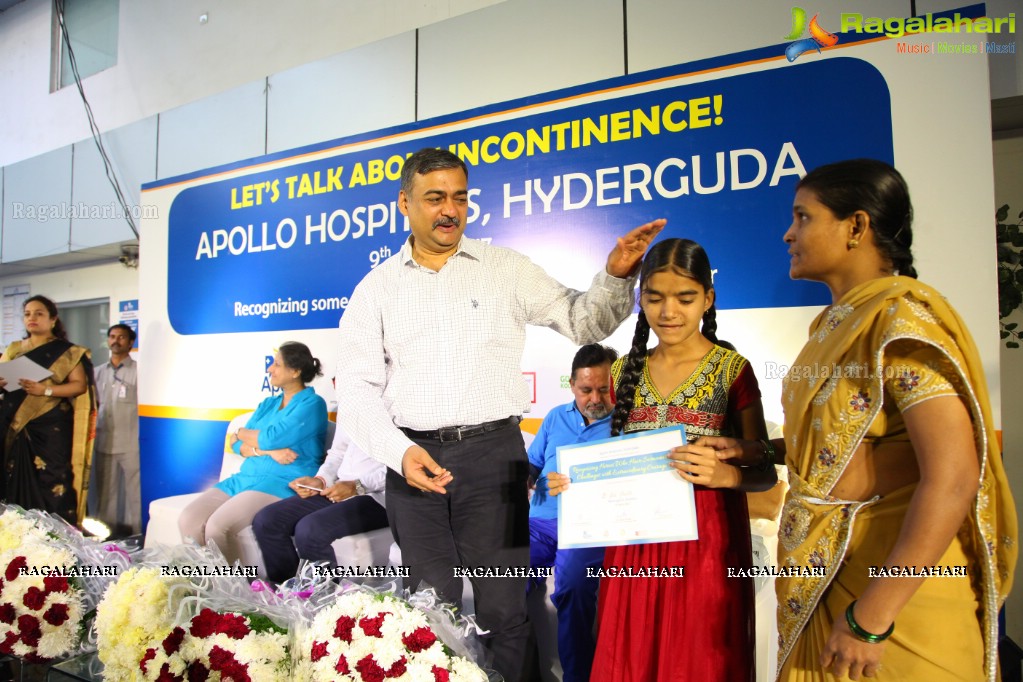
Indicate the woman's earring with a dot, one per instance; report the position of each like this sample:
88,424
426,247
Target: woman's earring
852,243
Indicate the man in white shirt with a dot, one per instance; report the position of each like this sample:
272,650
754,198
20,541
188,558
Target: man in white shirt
430,383
345,497
118,497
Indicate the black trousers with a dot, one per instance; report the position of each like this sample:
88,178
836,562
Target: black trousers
316,522
481,522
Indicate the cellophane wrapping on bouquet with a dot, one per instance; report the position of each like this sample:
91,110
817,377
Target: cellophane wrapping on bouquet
53,577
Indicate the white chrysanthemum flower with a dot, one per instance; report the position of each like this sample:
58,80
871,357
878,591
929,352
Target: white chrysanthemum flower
39,553
389,651
463,669
303,671
136,613
434,656
419,672
60,640
16,529
193,648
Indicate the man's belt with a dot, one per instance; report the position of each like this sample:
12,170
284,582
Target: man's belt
457,433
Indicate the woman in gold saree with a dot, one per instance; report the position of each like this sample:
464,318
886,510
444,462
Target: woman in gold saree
48,426
896,482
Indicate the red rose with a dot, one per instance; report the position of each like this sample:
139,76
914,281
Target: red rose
220,658
342,665
14,568
371,626
343,629
10,640
7,613
370,670
34,598
420,639
233,625
223,661
319,651
56,615
55,583
197,672
204,624
172,642
150,655
30,632
440,674
397,668
166,675
237,672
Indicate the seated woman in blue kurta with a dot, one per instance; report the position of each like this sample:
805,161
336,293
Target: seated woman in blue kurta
283,440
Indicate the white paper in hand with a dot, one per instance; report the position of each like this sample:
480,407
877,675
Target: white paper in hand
20,368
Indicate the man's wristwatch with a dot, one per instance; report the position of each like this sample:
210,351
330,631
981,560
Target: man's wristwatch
48,392
360,489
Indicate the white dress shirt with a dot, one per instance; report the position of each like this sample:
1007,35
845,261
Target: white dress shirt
347,462
422,349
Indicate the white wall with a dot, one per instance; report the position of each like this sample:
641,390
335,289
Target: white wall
1006,70
166,58
113,281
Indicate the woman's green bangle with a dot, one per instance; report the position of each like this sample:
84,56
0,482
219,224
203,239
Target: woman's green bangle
860,632
766,462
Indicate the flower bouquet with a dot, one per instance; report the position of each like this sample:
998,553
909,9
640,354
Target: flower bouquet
49,572
40,614
136,613
166,621
366,636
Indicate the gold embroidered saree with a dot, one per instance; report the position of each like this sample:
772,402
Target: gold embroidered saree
47,447
832,396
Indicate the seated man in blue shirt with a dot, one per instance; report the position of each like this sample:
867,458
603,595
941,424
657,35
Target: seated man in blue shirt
588,417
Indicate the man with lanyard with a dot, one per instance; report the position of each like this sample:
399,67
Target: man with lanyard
429,382
116,460
586,418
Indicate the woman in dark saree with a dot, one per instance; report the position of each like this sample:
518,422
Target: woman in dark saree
48,426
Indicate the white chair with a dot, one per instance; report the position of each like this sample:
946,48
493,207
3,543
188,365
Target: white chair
164,512
364,549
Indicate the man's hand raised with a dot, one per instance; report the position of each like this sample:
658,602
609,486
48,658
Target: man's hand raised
627,254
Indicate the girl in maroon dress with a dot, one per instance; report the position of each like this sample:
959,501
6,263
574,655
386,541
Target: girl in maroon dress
698,627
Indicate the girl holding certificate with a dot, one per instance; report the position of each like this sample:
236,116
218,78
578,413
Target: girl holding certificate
699,627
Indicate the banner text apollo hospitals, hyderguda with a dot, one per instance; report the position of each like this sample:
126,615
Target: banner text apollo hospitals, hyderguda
672,177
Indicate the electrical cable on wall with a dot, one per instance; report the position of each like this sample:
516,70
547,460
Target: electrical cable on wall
96,136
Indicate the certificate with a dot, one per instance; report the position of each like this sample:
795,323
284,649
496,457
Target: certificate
624,491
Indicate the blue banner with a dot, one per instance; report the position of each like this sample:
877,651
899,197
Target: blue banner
283,249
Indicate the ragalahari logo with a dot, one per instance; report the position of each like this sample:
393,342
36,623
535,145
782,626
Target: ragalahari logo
818,36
